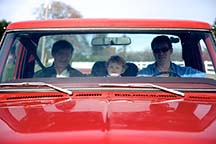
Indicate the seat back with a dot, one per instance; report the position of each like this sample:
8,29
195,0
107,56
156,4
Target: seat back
131,70
99,69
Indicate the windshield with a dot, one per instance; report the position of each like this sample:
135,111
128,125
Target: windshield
68,53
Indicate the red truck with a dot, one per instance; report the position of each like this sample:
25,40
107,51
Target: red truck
84,103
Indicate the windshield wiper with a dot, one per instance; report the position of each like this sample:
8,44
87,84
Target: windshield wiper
145,85
30,84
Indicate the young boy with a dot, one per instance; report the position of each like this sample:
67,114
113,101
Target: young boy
116,65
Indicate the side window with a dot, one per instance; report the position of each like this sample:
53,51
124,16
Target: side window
44,52
19,63
9,69
209,68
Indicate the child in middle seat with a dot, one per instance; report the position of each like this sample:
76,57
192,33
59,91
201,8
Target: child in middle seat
116,65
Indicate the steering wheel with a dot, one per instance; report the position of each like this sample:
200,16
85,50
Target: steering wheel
170,73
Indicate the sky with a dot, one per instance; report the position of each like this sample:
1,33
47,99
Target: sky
200,10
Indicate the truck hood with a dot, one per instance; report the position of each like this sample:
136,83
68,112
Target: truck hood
107,121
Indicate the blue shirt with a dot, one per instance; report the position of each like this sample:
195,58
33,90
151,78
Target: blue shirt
151,70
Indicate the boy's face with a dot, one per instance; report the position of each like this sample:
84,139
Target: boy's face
62,58
115,69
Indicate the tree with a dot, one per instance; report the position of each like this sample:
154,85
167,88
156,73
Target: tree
60,10
3,25
56,10
214,27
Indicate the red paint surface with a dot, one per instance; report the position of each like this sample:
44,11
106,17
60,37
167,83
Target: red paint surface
111,23
106,120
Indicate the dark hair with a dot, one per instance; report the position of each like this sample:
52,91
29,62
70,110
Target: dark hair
117,59
61,44
161,39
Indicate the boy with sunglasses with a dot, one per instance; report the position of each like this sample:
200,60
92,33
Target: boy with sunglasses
162,50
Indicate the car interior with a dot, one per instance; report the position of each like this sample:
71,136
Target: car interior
32,53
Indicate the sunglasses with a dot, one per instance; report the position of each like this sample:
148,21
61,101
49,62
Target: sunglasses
165,49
